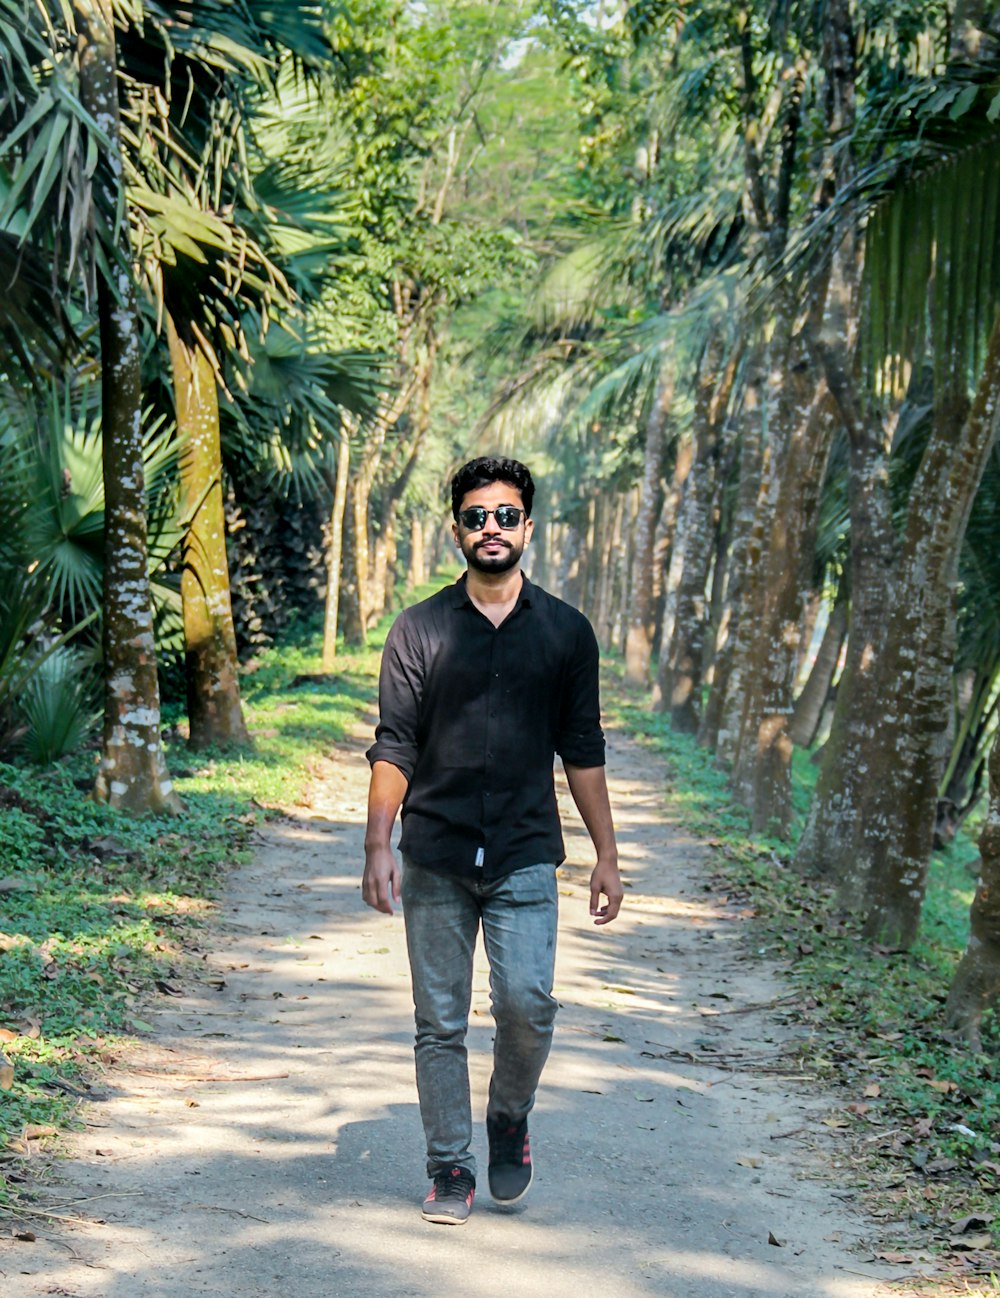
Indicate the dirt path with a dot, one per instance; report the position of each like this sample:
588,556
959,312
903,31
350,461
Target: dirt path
267,1141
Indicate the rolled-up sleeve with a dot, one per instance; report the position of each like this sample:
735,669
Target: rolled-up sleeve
399,692
580,739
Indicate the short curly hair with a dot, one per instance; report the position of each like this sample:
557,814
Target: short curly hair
487,469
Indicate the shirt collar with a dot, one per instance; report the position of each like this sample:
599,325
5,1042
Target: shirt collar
460,596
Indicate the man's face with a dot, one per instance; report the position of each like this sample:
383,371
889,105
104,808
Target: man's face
493,548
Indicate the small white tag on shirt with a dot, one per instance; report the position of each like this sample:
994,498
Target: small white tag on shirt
480,857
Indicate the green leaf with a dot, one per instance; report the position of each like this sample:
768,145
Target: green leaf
963,103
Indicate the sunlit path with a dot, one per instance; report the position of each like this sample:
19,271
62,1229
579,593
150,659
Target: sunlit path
268,1141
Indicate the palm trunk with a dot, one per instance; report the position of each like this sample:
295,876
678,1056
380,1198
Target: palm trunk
133,773
639,637
811,702
591,561
336,556
908,753
418,554
378,572
763,772
977,980
832,844
570,582
354,585
751,544
215,714
680,677
679,499
810,617
711,733
961,782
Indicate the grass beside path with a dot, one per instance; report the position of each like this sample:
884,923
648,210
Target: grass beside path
919,1116
98,909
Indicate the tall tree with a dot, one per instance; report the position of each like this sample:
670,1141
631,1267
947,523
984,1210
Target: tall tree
214,712
133,774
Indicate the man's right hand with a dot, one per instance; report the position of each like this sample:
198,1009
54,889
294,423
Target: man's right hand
381,880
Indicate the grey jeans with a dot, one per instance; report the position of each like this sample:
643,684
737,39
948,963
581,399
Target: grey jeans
442,913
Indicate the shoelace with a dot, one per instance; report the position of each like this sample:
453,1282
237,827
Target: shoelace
454,1184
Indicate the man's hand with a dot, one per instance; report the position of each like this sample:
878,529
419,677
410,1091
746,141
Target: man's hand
380,884
608,881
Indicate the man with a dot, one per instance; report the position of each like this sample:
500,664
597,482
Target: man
481,685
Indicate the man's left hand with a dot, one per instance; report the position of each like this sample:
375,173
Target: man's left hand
608,881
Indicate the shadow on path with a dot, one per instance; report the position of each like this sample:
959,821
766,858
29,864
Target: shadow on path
266,1142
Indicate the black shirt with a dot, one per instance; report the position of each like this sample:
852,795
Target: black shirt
473,715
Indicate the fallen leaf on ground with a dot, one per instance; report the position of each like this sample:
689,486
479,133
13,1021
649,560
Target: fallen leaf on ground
973,1221
971,1243
6,1073
899,1259
771,1240
34,1131
872,1091
26,1236
747,1161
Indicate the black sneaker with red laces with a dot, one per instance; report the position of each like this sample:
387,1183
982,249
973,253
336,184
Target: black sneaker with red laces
510,1170
450,1199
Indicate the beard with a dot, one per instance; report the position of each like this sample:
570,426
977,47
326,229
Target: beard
502,562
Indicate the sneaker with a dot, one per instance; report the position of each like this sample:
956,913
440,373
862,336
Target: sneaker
510,1169
450,1199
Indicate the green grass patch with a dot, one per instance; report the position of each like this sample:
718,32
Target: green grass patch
873,1020
97,909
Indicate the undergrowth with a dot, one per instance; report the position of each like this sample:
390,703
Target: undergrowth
97,908
921,1113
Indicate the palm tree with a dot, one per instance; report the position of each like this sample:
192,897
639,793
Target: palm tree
133,774
909,649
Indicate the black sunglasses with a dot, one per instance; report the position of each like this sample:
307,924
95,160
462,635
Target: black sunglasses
474,519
